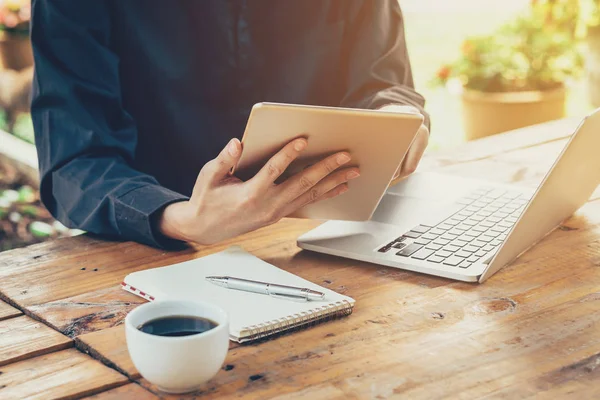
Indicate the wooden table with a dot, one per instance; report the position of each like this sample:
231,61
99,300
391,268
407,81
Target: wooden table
532,330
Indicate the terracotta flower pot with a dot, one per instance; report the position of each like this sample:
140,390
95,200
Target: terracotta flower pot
486,113
15,50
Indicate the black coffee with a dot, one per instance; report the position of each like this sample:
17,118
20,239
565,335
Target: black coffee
177,325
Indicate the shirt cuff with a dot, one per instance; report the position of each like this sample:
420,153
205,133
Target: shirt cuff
137,210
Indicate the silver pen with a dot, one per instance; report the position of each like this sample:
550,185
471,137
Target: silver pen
271,289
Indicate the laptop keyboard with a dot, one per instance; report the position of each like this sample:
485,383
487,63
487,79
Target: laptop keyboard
467,236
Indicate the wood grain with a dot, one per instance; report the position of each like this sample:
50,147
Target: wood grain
88,312
316,391
130,391
531,331
23,337
109,346
66,374
7,311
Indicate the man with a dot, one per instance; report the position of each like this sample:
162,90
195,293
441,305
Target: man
138,106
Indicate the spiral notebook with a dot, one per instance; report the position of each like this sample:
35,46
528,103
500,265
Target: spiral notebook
252,316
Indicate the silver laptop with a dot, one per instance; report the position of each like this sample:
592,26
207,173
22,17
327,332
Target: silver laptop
466,229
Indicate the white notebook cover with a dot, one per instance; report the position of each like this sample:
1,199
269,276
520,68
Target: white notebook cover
249,313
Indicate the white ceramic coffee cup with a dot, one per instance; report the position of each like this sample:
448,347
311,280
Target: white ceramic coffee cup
177,364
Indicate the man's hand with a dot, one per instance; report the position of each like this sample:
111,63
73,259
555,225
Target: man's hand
411,161
222,206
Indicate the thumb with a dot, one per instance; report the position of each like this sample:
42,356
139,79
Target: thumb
220,167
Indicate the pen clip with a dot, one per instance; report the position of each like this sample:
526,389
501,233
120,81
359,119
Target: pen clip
299,299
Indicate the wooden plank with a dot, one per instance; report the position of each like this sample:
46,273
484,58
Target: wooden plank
569,390
7,311
578,379
505,357
23,337
107,263
325,391
130,391
314,391
109,346
89,312
66,374
21,259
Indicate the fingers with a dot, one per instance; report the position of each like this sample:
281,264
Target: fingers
218,168
411,161
333,185
304,181
278,164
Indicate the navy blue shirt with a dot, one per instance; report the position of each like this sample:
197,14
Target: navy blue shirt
132,97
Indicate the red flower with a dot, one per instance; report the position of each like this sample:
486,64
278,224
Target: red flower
444,72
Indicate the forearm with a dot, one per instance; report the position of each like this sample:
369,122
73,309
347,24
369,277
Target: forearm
118,202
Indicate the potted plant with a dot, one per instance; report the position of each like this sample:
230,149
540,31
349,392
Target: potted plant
15,48
516,76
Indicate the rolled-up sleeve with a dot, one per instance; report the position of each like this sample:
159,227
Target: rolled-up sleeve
86,140
378,70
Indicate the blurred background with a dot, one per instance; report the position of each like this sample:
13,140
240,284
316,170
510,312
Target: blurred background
501,46
484,67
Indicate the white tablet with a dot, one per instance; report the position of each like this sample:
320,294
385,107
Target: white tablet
376,140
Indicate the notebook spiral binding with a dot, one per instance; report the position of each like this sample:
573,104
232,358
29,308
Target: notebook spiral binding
297,321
